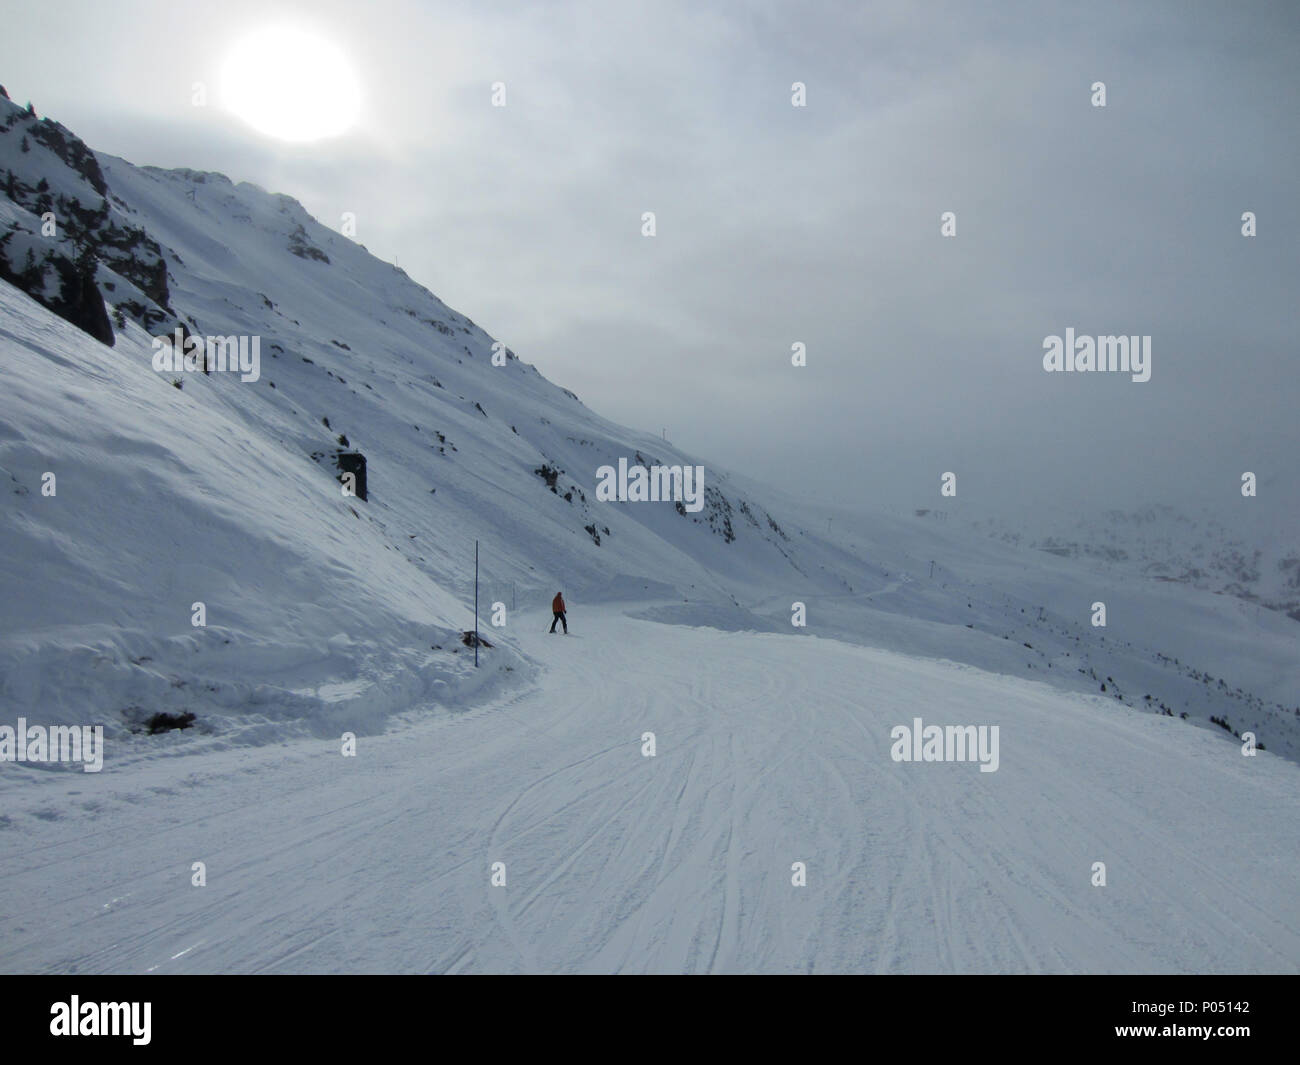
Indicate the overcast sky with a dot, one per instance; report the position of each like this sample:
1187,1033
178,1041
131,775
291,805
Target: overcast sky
778,224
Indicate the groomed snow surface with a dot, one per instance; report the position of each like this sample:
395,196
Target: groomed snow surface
770,749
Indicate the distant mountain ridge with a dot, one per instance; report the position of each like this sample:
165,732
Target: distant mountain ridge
1165,543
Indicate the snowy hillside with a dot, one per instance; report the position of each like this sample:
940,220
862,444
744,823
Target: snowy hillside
1249,548
185,487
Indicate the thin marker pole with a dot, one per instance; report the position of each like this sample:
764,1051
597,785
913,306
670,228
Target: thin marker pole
476,604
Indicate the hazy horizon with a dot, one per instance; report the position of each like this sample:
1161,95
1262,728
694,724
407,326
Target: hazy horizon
817,225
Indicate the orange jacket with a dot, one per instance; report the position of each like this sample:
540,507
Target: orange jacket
557,604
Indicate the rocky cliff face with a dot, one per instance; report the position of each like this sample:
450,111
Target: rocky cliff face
64,239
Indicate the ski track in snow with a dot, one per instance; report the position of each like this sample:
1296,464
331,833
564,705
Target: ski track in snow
771,749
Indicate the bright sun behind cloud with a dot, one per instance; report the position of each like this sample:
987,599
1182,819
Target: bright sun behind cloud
291,85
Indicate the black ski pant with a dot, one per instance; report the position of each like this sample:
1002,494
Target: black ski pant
559,616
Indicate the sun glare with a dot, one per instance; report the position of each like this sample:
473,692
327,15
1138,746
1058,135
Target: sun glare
291,85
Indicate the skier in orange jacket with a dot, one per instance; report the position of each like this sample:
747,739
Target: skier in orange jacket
557,608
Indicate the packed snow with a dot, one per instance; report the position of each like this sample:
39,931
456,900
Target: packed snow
770,750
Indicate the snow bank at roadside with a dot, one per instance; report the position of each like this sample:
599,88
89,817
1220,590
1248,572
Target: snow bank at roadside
161,499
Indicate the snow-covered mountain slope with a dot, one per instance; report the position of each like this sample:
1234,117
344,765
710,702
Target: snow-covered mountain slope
178,487
175,488
1212,660
770,750
1249,548
158,500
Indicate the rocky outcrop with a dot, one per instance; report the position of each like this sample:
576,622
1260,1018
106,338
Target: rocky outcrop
65,242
